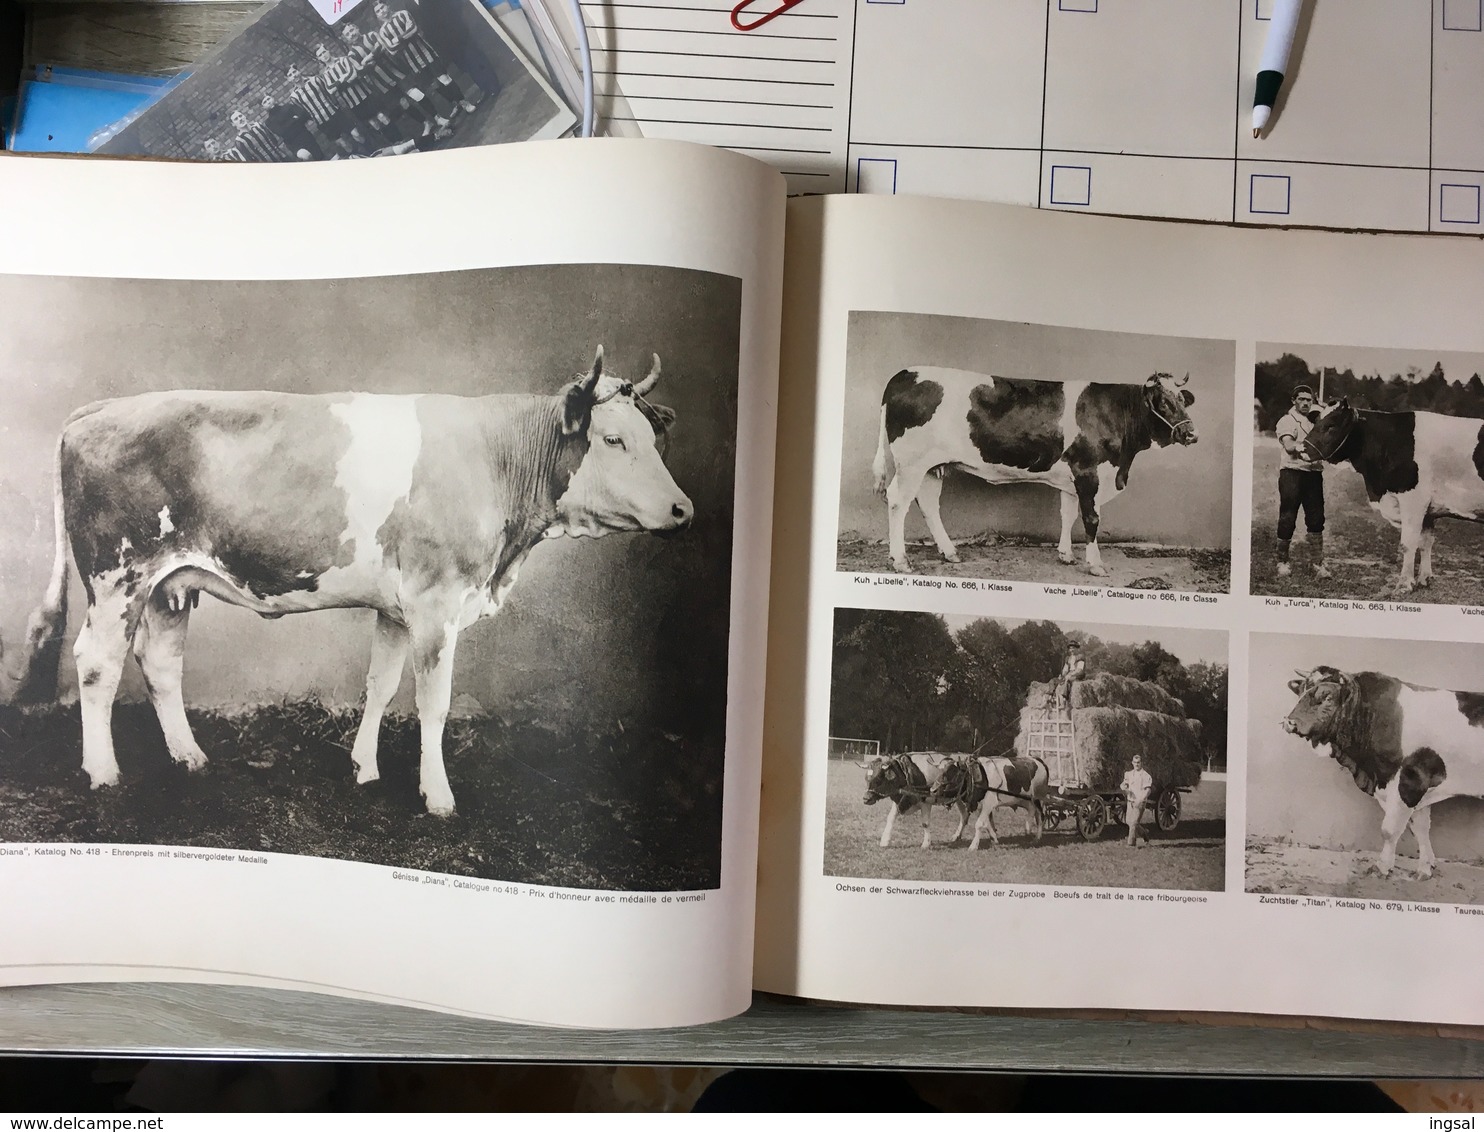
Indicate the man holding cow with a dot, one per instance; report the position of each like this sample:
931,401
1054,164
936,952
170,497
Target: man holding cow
1300,483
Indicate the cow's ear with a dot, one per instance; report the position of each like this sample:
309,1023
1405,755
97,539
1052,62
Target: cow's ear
663,418
1188,397
1295,686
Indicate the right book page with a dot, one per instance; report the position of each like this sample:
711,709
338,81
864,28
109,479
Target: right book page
1135,654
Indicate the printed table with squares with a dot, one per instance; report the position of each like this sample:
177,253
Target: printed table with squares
1144,108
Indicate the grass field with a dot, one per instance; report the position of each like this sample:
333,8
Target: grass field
1016,559
1281,867
1191,857
1362,549
632,809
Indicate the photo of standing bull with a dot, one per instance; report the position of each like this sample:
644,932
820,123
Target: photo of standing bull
220,477
955,428
1066,744
1384,738
1382,450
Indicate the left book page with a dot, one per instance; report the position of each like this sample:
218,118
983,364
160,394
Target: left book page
340,650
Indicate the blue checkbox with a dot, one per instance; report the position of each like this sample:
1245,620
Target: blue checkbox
1071,184
876,175
1463,15
1458,204
1269,194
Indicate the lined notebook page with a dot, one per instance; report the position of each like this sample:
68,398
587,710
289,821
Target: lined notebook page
780,93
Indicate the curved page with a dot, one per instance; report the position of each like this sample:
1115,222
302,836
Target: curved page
380,544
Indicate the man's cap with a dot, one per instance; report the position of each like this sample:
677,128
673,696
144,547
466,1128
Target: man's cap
1301,391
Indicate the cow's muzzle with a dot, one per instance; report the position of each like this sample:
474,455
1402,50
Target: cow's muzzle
681,515
1184,432
1290,726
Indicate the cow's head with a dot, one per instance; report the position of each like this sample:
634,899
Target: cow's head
952,783
883,779
1330,434
622,483
1169,403
1328,700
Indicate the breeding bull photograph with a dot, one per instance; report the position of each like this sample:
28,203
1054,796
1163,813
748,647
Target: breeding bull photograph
1381,453
1022,452
516,484
1004,750
1365,768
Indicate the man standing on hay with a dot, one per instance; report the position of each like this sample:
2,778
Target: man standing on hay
1300,484
1136,786
1074,669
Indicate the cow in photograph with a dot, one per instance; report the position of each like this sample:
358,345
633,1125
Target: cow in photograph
986,782
420,507
1079,437
907,781
1407,746
1418,468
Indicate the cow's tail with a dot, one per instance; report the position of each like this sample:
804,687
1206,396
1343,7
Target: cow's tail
42,659
881,466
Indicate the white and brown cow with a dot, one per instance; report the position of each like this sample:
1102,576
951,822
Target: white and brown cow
421,507
987,782
1408,746
1079,437
1418,468
907,782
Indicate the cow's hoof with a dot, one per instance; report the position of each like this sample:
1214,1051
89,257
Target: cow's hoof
192,758
1426,582
367,774
440,805
1284,569
901,567
1098,571
951,557
1066,558
104,780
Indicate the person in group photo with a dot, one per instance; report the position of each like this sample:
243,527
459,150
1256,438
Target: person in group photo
1300,484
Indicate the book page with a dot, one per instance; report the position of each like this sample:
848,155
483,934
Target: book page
1133,655
383,541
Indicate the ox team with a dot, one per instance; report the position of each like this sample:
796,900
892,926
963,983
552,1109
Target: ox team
420,507
1407,746
1080,437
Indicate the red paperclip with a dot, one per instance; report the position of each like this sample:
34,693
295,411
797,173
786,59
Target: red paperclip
783,6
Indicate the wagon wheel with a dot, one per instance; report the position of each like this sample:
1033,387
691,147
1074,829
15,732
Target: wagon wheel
1167,809
1118,812
1092,817
1034,822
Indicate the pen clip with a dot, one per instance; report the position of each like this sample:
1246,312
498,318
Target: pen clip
783,6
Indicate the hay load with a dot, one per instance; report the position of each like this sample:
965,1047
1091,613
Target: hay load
1117,717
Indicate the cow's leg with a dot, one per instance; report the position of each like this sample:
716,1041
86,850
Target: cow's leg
1422,831
928,497
985,821
1087,498
1068,520
891,820
101,648
1413,507
927,813
1424,566
159,646
388,653
1395,816
899,496
963,820
432,666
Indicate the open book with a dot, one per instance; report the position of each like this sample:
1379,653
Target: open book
570,583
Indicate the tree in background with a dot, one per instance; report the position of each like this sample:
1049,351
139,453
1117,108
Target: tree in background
1429,390
890,677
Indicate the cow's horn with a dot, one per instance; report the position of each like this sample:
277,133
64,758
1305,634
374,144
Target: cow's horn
591,381
1184,380
649,382
1301,674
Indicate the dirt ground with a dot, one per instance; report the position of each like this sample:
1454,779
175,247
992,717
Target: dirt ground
622,810
993,558
1190,857
1361,548
1301,870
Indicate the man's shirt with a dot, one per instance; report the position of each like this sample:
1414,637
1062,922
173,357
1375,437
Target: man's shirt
1137,784
1296,427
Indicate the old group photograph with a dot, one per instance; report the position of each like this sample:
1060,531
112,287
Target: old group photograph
427,571
314,80
1365,768
1016,451
1368,474
995,749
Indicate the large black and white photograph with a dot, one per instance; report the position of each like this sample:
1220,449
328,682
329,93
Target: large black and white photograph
316,80
1026,752
1368,474
430,571
1015,451
1355,746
